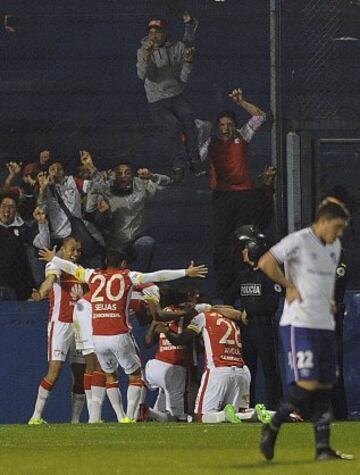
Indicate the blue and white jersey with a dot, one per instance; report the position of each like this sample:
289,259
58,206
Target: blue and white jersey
311,266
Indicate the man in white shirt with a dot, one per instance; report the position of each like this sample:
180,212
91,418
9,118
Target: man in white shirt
310,257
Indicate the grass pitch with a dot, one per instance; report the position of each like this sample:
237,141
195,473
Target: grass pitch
168,449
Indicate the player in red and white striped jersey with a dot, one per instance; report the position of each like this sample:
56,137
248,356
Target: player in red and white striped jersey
168,370
226,379
109,293
63,290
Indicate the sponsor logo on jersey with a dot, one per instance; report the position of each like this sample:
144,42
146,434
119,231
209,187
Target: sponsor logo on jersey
250,289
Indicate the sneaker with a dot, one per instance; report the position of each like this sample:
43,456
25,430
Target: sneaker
267,443
196,168
230,414
178,175
127,420
263,414
330,454
36,422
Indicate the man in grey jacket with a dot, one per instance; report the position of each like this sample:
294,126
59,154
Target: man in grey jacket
123,217
165,66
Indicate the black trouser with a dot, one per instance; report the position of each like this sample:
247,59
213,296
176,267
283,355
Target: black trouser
175,115
339,395
231,209
259,339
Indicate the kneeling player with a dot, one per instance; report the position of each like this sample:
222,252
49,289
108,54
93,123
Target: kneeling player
109,291
226,380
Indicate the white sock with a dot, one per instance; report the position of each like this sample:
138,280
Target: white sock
97,398
142,399
115,399
77,404
134,394
213,417
42,397
88,400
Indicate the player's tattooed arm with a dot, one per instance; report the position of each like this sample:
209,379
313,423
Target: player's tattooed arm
44,289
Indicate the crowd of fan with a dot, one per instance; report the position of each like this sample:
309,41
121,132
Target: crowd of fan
41,204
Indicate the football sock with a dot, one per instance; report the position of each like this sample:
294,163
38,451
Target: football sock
134,394
98,392
297,399
213,417
142,399
114,395
77,404
87,389
42,397
321,417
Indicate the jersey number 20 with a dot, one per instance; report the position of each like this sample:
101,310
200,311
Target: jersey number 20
107,285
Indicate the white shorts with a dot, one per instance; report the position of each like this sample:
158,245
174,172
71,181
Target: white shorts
221,386
115,350
83,327
171,381
61,342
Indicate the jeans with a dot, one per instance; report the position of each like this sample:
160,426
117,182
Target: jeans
176,117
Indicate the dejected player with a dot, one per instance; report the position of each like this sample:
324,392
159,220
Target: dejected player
310,257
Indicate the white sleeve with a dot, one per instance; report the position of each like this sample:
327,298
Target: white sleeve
287,249
197,323
248,130
138,278
81,274
51,269
151,293
202,307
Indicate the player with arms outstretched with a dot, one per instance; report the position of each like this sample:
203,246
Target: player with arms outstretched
310,257
110,293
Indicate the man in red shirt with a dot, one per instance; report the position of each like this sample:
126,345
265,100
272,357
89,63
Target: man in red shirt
234,197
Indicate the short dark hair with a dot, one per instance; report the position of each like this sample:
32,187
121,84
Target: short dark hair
226,113
184,292
124,162
10,196
115,258
332,208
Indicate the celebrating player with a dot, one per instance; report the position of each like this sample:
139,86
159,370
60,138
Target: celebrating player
226,380
109,291
310,257
64,290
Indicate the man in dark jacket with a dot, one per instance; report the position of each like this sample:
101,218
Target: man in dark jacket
16,238
165,67
259,296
